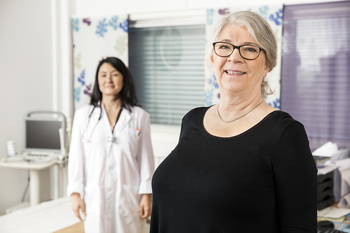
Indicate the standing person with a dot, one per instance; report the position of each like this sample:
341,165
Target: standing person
240,165
111,158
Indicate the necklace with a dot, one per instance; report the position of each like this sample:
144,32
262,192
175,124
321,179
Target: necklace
217,111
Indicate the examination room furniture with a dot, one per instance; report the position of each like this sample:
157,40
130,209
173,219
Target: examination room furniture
325,195
34,170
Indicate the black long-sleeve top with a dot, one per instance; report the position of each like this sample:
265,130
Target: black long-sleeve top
263,180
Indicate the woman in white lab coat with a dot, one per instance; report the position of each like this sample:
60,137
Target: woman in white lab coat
111,158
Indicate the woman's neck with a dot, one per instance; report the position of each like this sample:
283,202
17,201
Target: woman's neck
112,107
111,103
236,105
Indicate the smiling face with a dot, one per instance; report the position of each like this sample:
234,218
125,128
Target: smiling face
110,80
234,74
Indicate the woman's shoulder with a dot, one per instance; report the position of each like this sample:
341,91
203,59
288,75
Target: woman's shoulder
84,110
281,117
138,111
196,111
279,121
194,115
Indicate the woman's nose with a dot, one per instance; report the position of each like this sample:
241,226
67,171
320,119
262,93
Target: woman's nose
109,78
235,55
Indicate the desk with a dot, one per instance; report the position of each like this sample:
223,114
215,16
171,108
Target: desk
34,169
76,228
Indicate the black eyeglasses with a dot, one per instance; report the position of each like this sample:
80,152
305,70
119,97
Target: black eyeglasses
248,52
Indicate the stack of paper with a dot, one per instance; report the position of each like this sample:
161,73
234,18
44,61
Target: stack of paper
333,214
326,150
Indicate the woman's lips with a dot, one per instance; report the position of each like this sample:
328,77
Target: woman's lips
234,72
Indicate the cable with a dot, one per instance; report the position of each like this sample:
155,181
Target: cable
26,190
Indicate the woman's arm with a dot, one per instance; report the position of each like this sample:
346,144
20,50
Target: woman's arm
295,177
145,156
75,187
145,206
77,205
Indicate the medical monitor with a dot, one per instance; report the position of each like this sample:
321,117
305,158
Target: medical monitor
42,134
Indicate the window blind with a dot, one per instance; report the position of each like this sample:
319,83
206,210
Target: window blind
167,66
315,86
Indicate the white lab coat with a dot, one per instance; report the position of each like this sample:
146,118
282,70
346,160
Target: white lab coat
110,177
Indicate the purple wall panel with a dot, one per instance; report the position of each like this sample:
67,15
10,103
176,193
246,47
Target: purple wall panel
315,85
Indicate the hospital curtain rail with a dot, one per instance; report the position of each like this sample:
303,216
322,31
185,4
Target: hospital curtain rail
167,64
315,83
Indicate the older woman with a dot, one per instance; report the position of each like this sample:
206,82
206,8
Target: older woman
240,165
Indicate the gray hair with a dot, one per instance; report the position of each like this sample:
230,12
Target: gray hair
259,29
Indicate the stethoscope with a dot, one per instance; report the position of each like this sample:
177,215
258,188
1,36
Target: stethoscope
111,138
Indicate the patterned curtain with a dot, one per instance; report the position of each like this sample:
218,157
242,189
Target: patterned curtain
95,38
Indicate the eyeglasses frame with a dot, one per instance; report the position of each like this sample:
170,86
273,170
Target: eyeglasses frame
237,47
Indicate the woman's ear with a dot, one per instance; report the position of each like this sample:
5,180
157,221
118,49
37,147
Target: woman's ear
267,70
211,59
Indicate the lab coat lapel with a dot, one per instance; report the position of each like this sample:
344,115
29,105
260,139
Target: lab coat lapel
106,126
95,118
123,121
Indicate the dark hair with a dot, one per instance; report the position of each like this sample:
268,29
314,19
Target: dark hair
127,94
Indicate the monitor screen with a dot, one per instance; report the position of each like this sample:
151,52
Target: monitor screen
42,135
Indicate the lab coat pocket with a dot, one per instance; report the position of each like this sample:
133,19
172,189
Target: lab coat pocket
131,141
129,200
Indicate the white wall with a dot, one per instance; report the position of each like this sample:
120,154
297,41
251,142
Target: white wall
107,7
25,80
36,74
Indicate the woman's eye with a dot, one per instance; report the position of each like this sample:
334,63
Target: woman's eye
251,49
223,47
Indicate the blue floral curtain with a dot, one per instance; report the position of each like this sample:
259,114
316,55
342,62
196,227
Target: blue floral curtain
95,38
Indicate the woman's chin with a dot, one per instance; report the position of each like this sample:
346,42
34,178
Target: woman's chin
110,94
